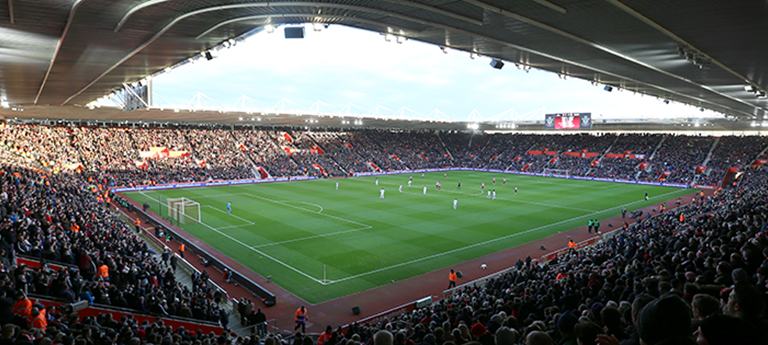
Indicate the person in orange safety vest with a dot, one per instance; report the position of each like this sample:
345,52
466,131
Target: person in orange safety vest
325,336
37,320
301,318
104,272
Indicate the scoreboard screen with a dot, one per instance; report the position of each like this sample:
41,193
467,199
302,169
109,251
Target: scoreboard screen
568,121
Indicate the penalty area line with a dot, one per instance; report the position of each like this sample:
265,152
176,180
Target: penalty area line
264,254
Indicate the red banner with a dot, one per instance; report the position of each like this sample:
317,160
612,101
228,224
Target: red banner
316,150
318,167
374,166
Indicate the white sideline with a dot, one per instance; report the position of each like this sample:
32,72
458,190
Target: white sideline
253,249
328,282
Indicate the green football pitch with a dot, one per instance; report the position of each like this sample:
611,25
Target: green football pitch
292,230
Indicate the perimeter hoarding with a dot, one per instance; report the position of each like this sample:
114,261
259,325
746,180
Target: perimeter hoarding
568,121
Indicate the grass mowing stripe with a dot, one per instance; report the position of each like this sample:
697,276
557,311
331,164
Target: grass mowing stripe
405,227
490,241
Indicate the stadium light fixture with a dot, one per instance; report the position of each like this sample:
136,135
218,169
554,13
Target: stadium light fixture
269,28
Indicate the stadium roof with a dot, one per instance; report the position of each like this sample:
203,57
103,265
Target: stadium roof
56,57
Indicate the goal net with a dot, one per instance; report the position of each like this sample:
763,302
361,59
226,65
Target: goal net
557,172
183,210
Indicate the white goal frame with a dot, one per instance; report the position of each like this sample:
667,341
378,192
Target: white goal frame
557,172
184,210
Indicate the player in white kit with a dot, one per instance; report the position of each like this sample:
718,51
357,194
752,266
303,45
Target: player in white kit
382,194
455,203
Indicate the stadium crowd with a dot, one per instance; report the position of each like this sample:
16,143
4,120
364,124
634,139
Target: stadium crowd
698,271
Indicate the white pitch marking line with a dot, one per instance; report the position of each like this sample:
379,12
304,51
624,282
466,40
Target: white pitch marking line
312,237
489,241
264,254
304,209
254,249
222,211
308,203
145,194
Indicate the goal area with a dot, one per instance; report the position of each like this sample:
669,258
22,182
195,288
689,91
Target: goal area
183,210
557,172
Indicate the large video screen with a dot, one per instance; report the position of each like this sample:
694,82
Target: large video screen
568,121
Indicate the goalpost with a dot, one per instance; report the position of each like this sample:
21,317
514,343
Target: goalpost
557,172
184,210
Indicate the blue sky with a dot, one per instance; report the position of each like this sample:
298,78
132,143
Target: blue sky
339,65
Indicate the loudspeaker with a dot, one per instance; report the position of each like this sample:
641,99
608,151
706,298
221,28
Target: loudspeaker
459,274
497,64
356,310
294,32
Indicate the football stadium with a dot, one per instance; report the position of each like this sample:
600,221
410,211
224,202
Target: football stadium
620,200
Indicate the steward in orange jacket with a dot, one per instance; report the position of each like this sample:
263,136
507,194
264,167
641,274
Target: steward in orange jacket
301,318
